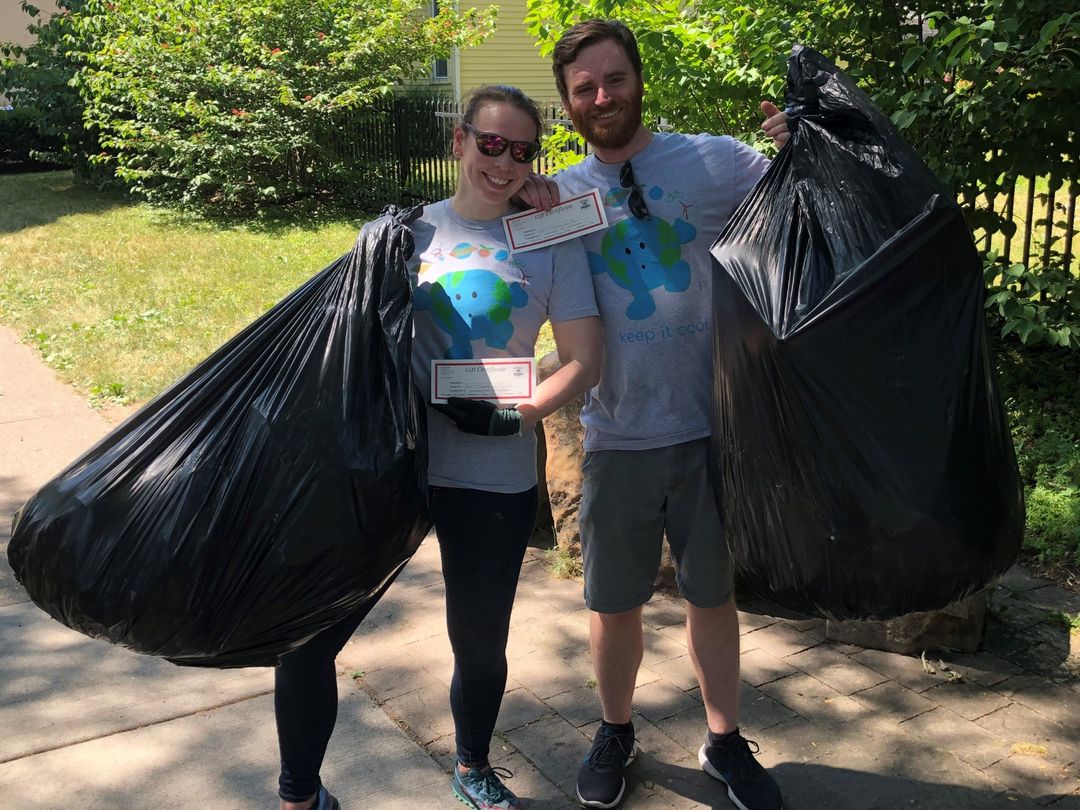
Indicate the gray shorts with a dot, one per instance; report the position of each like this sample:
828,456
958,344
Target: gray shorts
629,499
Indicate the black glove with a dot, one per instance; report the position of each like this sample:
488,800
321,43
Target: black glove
481,418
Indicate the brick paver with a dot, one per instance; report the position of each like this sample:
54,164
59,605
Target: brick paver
842,728
892,701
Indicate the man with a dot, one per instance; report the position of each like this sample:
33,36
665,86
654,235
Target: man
647,423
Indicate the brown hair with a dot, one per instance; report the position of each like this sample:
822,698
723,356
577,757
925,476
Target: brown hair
502,93
589,32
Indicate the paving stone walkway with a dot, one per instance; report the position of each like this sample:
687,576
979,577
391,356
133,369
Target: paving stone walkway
841,727
92,726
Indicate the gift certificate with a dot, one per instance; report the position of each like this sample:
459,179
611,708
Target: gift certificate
569,219
502,379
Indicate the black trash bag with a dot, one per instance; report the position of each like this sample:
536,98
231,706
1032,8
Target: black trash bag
863,465
275,489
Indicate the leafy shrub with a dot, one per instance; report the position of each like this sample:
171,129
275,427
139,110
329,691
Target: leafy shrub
21,143
985,91
1040,387
237,106
38,80
1038,306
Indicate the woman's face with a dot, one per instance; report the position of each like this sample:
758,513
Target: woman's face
487,181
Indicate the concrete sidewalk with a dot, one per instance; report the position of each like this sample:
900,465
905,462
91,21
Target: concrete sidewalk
93,726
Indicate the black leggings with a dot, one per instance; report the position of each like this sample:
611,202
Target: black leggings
482,539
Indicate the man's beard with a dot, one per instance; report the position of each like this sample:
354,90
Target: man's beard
613,136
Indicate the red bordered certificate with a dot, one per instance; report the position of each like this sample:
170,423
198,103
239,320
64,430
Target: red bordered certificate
503,379
569,219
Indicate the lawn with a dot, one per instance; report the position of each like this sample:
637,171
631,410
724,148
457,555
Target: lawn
122,299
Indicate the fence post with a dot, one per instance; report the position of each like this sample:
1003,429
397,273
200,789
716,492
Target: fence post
401,137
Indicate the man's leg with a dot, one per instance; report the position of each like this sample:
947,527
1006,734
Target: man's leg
622,525
616,642
713,637
695,533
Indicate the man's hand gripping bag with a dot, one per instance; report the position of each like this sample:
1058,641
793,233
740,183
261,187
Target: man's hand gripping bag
863,466
278,487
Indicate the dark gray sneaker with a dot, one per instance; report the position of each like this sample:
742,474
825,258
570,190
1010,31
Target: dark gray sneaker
749,785
600,781
324,801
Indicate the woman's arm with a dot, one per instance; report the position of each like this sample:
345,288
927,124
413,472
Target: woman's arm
579,346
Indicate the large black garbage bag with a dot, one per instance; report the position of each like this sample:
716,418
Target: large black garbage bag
278,487
863,465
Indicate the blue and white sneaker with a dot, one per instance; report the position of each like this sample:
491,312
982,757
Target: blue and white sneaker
484,790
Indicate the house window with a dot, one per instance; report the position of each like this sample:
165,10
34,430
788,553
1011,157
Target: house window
440,68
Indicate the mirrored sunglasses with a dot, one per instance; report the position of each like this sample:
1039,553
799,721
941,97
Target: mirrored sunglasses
492,145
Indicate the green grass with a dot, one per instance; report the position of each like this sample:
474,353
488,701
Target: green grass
563,563
122,299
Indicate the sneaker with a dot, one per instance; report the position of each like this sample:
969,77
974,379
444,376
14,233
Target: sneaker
325,801
749,785
484,790
600,781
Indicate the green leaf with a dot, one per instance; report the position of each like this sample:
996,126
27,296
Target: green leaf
952,34
902,119
911,57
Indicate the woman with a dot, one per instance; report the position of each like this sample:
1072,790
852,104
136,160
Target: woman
473,300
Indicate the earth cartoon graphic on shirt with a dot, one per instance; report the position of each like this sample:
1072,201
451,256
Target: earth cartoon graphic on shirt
472,304
641,255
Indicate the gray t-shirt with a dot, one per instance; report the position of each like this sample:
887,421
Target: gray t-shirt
653,282
474,300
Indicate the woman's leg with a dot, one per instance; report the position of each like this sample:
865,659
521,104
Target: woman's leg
305,707
482,539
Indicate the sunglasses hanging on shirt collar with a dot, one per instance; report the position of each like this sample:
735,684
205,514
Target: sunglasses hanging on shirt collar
636,201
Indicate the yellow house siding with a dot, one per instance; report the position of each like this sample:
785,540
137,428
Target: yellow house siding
13,23
509,56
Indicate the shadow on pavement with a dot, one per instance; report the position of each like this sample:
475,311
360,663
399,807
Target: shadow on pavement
813,786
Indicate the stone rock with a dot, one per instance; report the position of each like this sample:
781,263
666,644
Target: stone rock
956,628
544,532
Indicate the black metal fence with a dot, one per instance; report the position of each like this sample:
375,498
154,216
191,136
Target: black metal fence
410,139
1044,220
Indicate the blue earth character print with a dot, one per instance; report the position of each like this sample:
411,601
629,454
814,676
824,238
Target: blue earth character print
471,305
643,254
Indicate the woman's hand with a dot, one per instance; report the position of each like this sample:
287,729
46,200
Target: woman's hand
482,418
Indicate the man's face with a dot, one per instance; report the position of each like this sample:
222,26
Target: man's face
604,95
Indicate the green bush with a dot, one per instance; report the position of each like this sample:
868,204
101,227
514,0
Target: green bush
38,80
21,142
1040,387
1038,306
239,106
985,92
